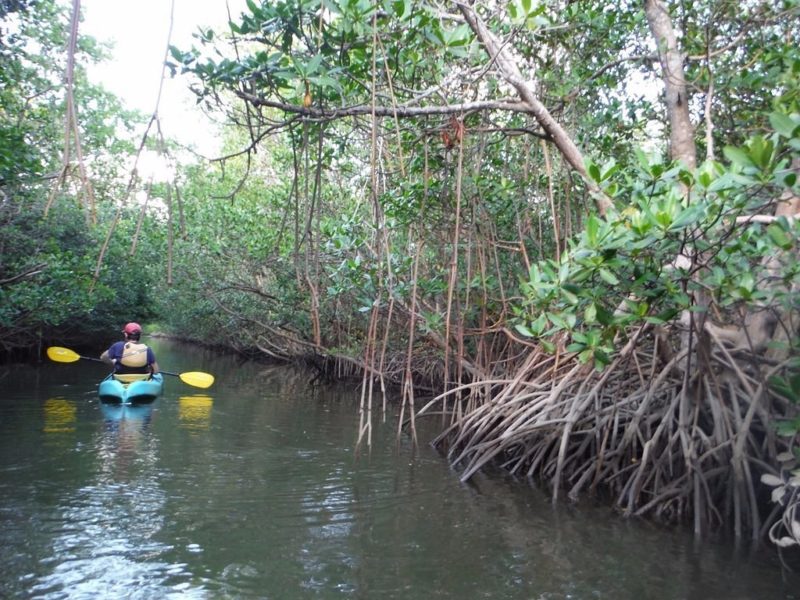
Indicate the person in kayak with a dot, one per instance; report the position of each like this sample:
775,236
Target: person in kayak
131,356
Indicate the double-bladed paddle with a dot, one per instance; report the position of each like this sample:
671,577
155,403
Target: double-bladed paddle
194,378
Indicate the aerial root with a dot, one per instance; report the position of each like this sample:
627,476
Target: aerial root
656,442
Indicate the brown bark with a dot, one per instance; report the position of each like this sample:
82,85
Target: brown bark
681,132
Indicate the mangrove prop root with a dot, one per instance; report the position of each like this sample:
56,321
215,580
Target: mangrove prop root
660,443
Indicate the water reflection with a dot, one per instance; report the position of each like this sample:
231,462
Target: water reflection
133,413
110,545
59,415
194,412
269,501
124,441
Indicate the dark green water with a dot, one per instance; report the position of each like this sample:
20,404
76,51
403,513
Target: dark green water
253,490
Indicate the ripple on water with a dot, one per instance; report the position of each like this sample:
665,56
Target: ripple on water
256,490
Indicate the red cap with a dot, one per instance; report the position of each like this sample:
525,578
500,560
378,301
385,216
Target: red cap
132,328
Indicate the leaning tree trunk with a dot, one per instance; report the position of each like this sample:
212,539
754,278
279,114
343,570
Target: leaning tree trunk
500,56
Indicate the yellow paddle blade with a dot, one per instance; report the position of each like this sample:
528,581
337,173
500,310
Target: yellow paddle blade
197,379
64,355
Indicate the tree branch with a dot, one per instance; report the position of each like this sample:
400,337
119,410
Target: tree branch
401,110
510,72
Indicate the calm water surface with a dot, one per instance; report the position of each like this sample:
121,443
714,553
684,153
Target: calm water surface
252,489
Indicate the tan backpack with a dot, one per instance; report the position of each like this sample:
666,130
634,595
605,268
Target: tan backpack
134,355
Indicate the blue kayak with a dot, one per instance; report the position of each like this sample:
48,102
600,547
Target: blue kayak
130,389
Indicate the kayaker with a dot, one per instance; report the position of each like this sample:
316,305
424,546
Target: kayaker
131,356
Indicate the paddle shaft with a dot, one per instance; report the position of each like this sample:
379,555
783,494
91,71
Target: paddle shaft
92,358
193,378
102,361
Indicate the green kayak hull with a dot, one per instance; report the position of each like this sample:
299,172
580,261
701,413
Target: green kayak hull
137,392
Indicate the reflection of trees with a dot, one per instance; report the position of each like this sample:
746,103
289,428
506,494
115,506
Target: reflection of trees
272,498
283,456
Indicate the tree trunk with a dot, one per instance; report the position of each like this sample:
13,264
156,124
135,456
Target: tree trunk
681,133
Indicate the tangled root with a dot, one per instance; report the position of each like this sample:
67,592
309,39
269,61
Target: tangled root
662,440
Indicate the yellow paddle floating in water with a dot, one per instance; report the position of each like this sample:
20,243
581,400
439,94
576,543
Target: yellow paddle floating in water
193,378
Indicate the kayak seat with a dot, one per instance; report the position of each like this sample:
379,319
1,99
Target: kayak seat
131,377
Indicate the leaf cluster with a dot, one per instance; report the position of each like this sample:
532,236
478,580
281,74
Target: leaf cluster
622,271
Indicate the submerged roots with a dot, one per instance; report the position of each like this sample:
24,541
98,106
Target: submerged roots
658,441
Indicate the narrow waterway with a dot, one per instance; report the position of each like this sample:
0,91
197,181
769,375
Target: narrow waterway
252,489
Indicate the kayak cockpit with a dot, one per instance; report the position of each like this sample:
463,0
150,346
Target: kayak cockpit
131,388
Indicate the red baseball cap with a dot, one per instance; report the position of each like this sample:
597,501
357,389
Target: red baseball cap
132,328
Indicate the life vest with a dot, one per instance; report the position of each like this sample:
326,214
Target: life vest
134,355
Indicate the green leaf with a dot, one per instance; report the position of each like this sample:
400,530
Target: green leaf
592,227
788,387
787,428
512,11
402,8
601,359
738,157
569,296
524,330
537,327
783,124
253,7
580,338
685,218
761,151
590,314
788,178
557,321
609,169
313,65
686,177
726,181
779,236
604,317
594,172
664,219
608,277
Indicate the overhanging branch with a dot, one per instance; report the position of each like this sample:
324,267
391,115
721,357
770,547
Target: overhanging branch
401,110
